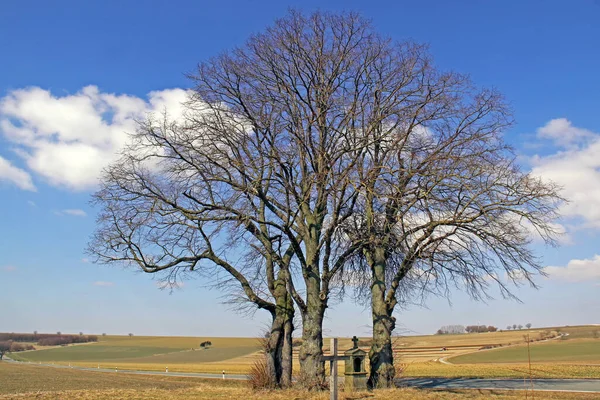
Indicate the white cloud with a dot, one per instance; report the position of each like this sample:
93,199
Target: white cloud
69,139
85,260
74,212
577,270
32,203
9,268
576,168
103,283
562,132
16,176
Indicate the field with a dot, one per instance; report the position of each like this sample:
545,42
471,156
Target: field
574,356
33,382
147,349
558,351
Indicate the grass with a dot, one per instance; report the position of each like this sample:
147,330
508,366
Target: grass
145,349
559,351
31,382
517,370
17,378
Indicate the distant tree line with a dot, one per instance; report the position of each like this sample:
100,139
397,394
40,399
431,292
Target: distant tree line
10,346
47,339
519,327
451,330
457,329
480,328
67,339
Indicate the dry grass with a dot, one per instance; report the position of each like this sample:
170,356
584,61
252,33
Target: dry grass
17,378
31,382
211,391
435,369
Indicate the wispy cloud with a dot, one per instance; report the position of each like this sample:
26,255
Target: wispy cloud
9,268
104,283
16,176
85,260
577,270
32,203
75,212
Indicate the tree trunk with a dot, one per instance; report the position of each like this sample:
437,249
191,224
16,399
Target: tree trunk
287,347
273,348
381,354
312,366
278,344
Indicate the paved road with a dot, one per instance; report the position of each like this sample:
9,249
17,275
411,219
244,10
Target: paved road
567,385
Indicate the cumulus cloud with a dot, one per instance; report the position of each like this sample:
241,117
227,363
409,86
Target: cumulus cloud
69,139
103,283
16,176
575,167
562,132
577,270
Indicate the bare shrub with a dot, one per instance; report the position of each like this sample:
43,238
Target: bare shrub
259,376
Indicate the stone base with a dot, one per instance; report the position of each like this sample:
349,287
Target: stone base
355,382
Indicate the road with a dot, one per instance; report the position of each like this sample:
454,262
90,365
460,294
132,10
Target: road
560,385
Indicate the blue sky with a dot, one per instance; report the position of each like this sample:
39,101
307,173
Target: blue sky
64,65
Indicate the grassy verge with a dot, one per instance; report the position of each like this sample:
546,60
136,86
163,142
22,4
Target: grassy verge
517,370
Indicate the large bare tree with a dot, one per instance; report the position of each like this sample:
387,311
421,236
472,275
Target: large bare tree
443,201
303,91
320,145
160,214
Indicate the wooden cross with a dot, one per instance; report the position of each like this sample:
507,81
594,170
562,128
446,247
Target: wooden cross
333,368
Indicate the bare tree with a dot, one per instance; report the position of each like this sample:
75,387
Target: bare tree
443,202
509,327
514,326
296,95
528,325
315,144
265,160
162,220
4,348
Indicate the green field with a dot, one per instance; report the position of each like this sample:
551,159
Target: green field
559,351
145,349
